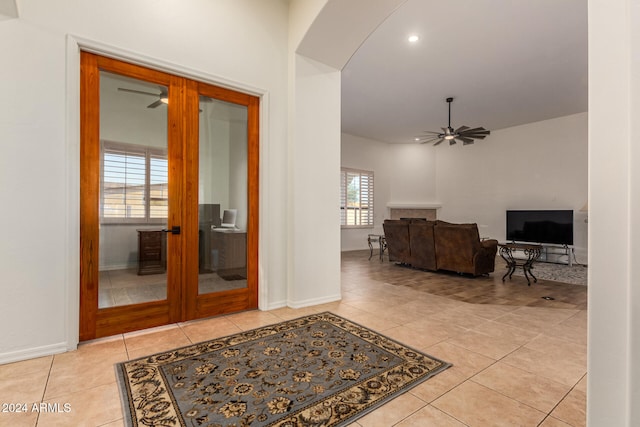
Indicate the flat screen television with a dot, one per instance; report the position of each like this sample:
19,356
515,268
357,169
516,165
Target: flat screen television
541,226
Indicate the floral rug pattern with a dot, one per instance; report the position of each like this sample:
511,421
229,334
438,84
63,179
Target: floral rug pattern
318,370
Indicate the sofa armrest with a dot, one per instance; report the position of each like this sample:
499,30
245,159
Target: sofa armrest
489,244
485,258
489,247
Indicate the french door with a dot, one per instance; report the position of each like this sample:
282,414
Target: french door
168,198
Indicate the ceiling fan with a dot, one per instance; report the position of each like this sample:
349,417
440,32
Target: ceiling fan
162,96
463,134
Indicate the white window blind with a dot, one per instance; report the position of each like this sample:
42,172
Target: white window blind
134,183
356,198
158,188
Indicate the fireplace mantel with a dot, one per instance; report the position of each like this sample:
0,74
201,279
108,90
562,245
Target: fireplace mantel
414,210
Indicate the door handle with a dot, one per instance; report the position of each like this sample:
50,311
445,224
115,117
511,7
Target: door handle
174,230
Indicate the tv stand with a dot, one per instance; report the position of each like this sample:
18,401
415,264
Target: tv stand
558,250
562,250
553,250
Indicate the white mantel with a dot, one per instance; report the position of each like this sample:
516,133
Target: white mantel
414,205
413,210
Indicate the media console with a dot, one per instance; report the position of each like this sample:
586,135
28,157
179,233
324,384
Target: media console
557,250
548,251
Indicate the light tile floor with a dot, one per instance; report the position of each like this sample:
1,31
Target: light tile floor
514,365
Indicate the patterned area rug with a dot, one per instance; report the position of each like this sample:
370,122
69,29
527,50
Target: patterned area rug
318,370
576,274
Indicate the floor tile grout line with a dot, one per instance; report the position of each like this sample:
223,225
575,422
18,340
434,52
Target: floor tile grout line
185,333
564,397
46,384
512,398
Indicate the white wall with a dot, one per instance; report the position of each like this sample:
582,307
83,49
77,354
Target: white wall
315,184
366,154
539,165
413,174
33,188
39,150
613,390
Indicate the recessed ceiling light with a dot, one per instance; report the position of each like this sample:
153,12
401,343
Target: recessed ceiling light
413,38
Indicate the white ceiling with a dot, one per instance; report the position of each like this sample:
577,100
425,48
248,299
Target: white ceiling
506,63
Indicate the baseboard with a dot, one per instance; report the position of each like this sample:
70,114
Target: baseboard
275,305
314,301
32,353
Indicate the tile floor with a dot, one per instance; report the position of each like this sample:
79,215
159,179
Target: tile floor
122,287
518,360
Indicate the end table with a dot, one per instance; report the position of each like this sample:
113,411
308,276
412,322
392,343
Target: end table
382,244
531,252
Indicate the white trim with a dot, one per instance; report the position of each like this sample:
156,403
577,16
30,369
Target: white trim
314,301
132,57
414,205
263,204
32,353
274,306
71,244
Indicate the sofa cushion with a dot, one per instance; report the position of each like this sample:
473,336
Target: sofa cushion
456,246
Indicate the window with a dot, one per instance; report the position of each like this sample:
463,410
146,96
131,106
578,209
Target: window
356,198
134,183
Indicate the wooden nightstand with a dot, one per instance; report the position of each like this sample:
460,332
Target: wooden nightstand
152,252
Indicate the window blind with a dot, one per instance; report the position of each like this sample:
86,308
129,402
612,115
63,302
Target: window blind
134,183
158,187
356,197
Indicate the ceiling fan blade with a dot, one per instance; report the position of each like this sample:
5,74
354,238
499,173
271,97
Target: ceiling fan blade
155,104
465,139
140,92
462,129
468,143
429,140
438,142
452,141
476,130
474,136
474,133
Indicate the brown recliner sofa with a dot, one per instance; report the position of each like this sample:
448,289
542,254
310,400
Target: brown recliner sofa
439,245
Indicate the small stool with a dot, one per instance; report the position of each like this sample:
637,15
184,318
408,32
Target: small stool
382,244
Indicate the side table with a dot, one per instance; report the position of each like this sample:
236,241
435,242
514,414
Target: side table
382,244
531,252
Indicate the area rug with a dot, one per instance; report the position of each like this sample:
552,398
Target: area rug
318,370
576,274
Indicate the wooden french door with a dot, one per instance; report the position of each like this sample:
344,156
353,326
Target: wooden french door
168,198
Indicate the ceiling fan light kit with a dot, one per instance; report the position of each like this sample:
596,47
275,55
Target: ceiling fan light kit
463,134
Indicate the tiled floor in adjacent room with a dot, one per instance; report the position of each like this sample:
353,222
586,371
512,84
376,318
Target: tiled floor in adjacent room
519,360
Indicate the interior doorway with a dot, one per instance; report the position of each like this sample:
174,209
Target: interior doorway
169,198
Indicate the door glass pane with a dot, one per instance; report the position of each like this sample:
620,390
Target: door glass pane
222,196
133,191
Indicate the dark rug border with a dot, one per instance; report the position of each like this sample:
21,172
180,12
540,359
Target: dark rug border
125,392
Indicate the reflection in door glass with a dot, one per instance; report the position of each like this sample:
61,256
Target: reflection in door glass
222,196
133,191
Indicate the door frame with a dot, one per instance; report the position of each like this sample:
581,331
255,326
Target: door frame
181,303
